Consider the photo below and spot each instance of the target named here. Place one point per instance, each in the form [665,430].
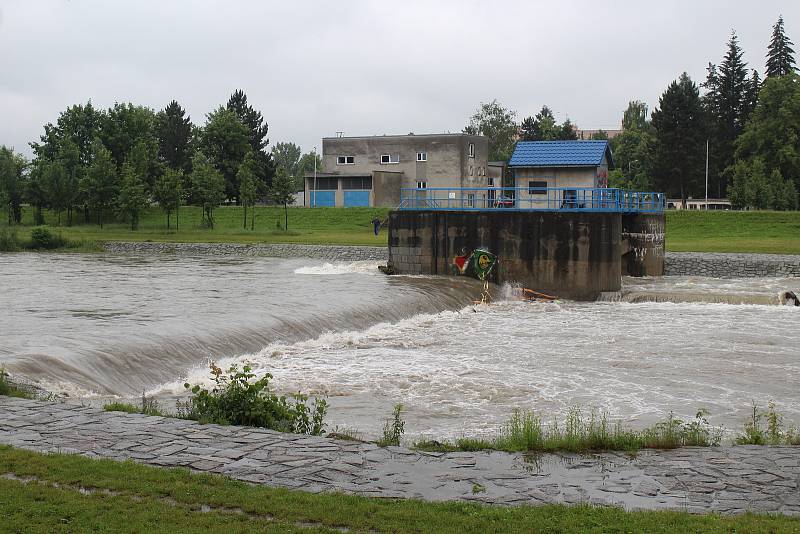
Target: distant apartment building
[371,171]
[587,135]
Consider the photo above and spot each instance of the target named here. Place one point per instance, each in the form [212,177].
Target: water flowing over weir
[119,324]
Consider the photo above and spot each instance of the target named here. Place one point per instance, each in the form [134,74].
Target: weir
[571,243]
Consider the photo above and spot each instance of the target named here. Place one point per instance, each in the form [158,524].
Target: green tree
[774,128]
[69,157]
[12,183]
[258,128]
[99,184]
[499,125]
[128,127]
[225,141]
[282,192]
[566,132]
[168,192]
[599,135]
[751,186]
[306,166]
[780,54]
[80,124]
[542,127]
[56,187]
[287,157]
[679,146]
[132,197]
[248,174]
[635,116]
[35,192]
[208,186]
[174,134]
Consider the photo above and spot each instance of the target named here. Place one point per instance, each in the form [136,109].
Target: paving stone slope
[719,265]
[278,250]
[725,480]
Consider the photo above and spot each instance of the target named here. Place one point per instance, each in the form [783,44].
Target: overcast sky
[380,67]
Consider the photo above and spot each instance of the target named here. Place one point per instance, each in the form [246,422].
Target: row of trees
[751,128]
[748,127]
[120,160]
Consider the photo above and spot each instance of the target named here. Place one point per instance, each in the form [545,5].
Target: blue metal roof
[560,154]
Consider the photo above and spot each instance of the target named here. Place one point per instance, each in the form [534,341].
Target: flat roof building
[371,170]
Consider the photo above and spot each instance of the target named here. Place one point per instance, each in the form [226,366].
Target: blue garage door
[323,199]
[356,198]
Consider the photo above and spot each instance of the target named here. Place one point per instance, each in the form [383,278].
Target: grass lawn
[336,226]
[67,493]
[698,231]
[772,232]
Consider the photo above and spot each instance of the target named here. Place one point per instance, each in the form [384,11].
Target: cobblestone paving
[289,250]
[725,480]
[719,265]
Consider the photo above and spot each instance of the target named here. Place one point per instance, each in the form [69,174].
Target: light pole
[314,194]
[707,175]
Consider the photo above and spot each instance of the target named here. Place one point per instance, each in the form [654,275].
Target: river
[98,326]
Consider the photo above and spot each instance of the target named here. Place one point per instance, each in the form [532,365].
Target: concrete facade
[566,177]
[393,162]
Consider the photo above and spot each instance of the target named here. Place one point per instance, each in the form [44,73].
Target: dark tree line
[752,128]
[95,163]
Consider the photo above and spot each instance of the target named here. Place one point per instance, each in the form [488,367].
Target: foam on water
[361,267]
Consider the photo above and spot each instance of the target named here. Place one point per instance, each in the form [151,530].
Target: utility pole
[314,202]
[706,174]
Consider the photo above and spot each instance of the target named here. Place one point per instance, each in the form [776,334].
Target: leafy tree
[12,183]
[35,191]
[208,185]
[126,127]
[258,129]
[566,132]
[679,141]
[306,166]
[168,192]
[174,134]
[247,187]
[80,124]
[287,157]
[780,54]
[225,141]
[635,116]
[542,127]
[56,187]
[755,187]
[99,185]
[499,125]
[132,197]
[774,128]
[282,192]
[599,135]
[69,157]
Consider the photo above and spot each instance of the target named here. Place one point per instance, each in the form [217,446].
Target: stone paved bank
[725,480]
[278,250]
[731,265]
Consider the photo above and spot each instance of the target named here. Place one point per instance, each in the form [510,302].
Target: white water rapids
[367,341]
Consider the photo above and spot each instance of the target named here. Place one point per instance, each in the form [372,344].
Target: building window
[357,182]
[345,160]
[422,185]
[472,150]
[387,159]
[471,170]
[324,183]
[471,200]
[491,181]
[422,156]
[537,188]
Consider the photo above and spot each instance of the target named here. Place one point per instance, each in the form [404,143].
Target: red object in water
[461,262]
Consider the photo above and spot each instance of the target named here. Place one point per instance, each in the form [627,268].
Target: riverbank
[762,232]
[728,480]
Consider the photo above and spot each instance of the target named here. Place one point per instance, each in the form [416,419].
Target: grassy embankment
[68,493]
[697,231]
[770,232]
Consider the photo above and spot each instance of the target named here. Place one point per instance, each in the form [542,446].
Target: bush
[394,428]
[8,240]
[43,238]
[237,399]
[10,390]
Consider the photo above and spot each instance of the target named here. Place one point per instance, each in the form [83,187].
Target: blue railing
[532,198]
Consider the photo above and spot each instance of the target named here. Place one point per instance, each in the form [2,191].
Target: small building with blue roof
[538,165]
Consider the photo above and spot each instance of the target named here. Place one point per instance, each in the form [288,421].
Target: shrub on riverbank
[238,399]
[42,238]
[754,433]
[148,406]
[525,431]
[10,390]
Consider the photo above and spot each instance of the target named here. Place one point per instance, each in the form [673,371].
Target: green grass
[127,497]
[10,390]
[336,226]
[583,432]
[697,231]
[771,232]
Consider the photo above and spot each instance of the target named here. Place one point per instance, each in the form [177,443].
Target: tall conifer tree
[780,54]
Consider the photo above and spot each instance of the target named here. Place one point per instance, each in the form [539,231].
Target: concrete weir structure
[569,253]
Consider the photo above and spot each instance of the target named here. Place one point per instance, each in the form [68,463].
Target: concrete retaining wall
[731,265]
[571,255]
[323,252]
